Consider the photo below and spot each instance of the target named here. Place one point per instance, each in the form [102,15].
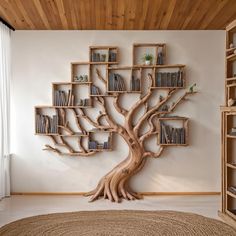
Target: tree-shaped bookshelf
[54,122]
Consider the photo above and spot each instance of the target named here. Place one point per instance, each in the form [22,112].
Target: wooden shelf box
[71,94]
[169,77]
[158,52]
[124,80]
[103,54]
[80,72]
[46,120]
[104,137]
[173,131]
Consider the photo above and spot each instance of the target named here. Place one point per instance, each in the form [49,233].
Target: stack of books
[46,124]
[112,56]
[95,145]
[95,57]
[170,135]
[84,102]
[116,82]
[169,79]
[94,90]
[62,98]
[134,84]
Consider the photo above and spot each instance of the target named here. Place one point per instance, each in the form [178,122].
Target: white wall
[41,57]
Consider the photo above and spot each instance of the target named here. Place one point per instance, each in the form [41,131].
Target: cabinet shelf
[231,165]
[231,194]
[231,57]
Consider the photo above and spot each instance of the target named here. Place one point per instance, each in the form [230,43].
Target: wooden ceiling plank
[212,13]
[62,14]
[169,13]
[33,14]
[68,13]
[152,14]
[97,8]
[118,14]
[180,13]
[108,16]
[23,14]
[73,14]
[194,7]
[222,19]
[10,15]
[42,14]
[161,13]
[200,14]
[142,12]
[53,17]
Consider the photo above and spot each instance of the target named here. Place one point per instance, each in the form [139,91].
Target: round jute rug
[130,223]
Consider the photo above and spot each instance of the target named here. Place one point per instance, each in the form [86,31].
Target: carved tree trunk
[115,184]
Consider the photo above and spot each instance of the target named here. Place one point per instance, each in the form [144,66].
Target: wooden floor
[17,207]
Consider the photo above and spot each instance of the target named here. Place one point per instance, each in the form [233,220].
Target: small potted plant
[147,58]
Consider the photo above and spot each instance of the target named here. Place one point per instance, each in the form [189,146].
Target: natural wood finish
[118,14]
[115,184]
[228,140]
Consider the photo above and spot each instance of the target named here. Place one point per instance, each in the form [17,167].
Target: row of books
[63,98]
[169,79]
[97,57]
[170,135]
[135,84]
[95,145]
[94,90]
[84,102]
[116,82]
[46,124]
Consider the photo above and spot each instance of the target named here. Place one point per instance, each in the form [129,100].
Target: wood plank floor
[17,207]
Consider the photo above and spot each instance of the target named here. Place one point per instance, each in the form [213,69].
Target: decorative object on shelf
[81,78]
[191,88]
[115,184]
[231,102]
[103,57]
[233,131]
[231,45]
[147,58]
[160,58]
[161,98]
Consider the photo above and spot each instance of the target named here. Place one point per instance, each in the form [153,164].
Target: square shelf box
[157,50]
[104,137]
[46,120]
[80,72]
[173,131]
[73,94]
[123,80]
[103,54]
[172,77]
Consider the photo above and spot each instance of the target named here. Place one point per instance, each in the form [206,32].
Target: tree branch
[118,106]
[152,110]
[141,101]
[100,76]
[154,154]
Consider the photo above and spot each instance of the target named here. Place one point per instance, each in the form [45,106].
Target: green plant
[147,57]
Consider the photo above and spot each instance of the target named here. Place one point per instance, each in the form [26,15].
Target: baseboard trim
[142,193]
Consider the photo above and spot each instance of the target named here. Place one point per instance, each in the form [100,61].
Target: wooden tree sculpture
[115,184]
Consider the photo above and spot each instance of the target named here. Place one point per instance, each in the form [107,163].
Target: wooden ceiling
[118,14]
